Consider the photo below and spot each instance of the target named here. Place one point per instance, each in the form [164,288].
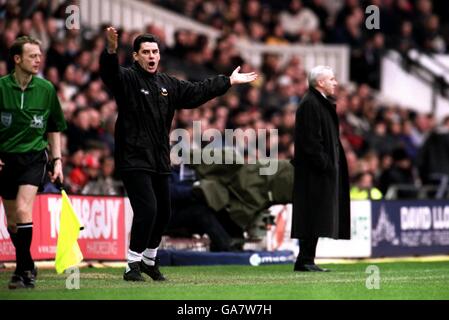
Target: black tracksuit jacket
[146,106]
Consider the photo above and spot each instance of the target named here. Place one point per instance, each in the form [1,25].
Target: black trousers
[149,194]
[307,251]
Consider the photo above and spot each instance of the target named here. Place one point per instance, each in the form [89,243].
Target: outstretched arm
[192,95]
[238,78]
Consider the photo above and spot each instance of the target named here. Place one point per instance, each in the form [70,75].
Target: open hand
[238,78]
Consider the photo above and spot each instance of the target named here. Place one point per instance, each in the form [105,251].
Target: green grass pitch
[398,280]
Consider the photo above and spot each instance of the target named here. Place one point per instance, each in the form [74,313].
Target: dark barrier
[254,258]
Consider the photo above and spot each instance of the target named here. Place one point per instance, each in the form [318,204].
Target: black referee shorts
[20,169]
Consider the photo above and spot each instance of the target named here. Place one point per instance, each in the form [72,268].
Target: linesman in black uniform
[147,101]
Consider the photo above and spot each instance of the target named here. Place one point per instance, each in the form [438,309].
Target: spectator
[92,169]
[400,173]
[405,41]
[101,180]
[77,177]
[298,21]
[433,162]
[364,189]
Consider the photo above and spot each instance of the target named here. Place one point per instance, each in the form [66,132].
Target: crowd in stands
[404,24]
[382,140]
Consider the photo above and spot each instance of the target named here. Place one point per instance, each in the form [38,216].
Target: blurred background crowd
[385,144]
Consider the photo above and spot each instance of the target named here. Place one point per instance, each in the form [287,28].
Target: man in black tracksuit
[147,101]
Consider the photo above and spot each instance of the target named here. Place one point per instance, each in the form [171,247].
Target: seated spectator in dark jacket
[433,160]
[190,213]
[401,173]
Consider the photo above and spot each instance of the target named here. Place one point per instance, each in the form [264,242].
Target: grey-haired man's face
[327,83]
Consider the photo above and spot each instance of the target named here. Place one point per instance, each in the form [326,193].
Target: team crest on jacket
[164,92]
[37,122]
[6,119]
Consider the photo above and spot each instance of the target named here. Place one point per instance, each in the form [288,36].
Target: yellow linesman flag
[68,253]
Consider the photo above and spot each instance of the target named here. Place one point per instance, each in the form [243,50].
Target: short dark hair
[146,37]
[399,154]
[17,46]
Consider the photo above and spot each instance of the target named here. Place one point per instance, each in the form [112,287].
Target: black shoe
[132,272]
[25,279]
[16,282]
[152,271]
[309,268]
[29,278]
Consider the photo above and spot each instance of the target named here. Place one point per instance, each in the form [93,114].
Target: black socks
[22,242]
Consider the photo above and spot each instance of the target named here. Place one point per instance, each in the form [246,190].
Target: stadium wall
[415,90]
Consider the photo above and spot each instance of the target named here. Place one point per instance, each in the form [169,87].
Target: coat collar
[15,85]
[136,66]
[329,101]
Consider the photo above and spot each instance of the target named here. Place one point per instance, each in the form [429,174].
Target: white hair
[316,72]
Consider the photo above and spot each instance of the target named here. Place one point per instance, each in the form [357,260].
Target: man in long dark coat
[321,206]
